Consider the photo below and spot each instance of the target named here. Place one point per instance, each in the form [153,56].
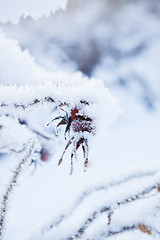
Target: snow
[124,155]
[13,138]
[13,10]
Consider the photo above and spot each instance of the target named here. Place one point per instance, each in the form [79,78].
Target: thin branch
[89,220]
[28,104]
[10,188]
[111,233]
[141,227]
[122,230]
[113,184]
[97,189]
[100,211]
[144,194]
[39,101]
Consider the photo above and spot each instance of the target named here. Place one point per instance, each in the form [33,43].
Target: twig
[141,227]
[92,190]
[10,188]
[39,101]
[100,211]
[89,220]
[122,230]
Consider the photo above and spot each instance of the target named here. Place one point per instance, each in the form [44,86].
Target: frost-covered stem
[112,233]
[141,195]
[122,230]
[29,104]
[97,213]
[86,194]
[39,101]
[26,96]
[113,184]
[92,217]
[10,188]
[141,227]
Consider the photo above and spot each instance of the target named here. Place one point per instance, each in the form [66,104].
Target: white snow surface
[124,155]
[13,10]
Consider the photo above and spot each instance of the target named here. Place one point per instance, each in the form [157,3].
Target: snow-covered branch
[24,96]
[110,212]
[30,153]
[114,200]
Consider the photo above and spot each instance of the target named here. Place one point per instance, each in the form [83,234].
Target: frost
[126,203]
[60,77]
[13,136]
[13,10]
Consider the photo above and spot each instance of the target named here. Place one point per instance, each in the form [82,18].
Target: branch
[97,189]
[143,228]
[28,96]
[11,186]
[106,209]
[90,220]
[110,210]
[122,230]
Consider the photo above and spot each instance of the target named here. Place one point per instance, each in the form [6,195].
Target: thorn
[60,161]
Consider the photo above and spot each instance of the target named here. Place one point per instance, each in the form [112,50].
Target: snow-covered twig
[122,230]
[90,220]
[110,210]
[141,227]
[11,186]
[60,94]
[98,189]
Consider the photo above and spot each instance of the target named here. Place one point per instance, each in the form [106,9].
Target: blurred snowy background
[117,41]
